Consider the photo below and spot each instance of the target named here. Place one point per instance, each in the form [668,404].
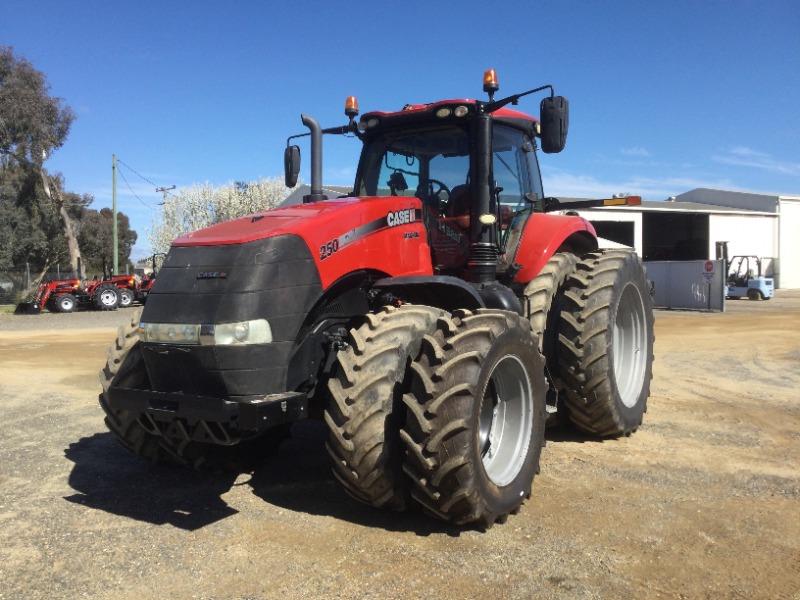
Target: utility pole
[164,191]
[114,210]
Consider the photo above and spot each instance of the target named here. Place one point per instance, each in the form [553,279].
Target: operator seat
[458,205]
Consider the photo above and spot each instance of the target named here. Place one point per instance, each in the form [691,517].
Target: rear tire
[753,294]
[605,344]
[542,303]
[65,303]
[471,462]
[365,390]
[106,297]
[125,298]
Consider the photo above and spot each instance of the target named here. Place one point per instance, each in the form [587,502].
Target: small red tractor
[433,317]
[134,288]
[66,295]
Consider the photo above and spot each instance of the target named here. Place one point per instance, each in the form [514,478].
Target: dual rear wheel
[447,410]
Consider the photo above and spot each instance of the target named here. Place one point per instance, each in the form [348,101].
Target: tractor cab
[426,152]
[471,163]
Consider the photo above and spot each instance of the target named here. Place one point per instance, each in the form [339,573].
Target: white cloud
[340,176]
[742,156]
[636,151]
[563,183]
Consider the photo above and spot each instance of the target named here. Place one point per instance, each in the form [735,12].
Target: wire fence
[13,286]
[17,284]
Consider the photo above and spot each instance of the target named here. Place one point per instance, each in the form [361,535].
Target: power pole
[164,191]
[114,210]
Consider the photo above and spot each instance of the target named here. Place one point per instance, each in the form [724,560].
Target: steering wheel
[442,188]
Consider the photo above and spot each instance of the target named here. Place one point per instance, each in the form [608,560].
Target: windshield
[433,165]
[420,163]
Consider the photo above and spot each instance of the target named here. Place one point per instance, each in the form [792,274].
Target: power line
[127,166]
[125,179]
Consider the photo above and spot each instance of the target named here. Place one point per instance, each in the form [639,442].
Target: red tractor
[66,295]
[134,288]
[432,318]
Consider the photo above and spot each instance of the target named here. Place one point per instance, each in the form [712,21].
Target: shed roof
[667,206]
[332,191]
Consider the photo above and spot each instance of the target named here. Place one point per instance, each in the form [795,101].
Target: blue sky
[664,97]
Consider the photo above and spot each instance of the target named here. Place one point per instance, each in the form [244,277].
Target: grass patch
[7,309]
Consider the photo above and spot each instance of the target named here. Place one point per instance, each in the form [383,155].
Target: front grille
[274,279]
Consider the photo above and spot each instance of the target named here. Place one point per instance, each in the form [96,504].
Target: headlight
[256,331]
[170,333]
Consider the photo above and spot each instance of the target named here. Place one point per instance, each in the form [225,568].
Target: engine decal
[395,218]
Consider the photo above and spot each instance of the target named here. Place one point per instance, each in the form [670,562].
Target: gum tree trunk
[69,232]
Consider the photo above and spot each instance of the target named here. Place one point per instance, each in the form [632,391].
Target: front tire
[606,343]
[65,303]
[125,365]
[366,389]
[475,421]
[125,298]
[106,297]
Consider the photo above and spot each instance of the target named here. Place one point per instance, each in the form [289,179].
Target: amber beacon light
[490,84]
[351,106]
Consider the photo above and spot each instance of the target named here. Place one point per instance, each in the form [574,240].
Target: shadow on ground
[108,477]
[297,477]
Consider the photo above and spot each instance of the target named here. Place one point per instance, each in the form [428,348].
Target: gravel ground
[78,320]
[703,501]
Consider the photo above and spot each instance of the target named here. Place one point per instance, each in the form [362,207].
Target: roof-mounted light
[443,112]
[351,107]
[490,83]
[460,111]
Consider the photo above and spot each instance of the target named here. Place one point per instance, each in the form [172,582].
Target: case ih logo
[400,217]
[212,275]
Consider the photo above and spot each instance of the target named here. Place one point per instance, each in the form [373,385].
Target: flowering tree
[201,205]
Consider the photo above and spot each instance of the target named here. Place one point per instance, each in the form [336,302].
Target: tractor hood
[279,221]
[379,233]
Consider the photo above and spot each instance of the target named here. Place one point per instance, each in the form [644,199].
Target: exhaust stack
[316,159]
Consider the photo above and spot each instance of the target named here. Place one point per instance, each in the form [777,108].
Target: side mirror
[291,165]
[554,120]
[397,183]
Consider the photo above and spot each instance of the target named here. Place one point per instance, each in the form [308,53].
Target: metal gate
[688,284]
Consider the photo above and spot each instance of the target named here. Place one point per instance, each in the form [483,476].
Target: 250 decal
[328,249]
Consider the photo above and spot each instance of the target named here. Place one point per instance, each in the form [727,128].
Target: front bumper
[223,421]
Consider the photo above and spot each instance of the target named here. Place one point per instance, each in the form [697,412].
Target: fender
[544,234]
[441,291]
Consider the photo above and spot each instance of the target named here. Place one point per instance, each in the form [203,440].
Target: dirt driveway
[702,502]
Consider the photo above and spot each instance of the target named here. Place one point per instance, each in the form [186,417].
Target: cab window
[515,168]
[399,175]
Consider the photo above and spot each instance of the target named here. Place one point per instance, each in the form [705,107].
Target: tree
[31,121]
[96,239]
[32,125]
[198,206]
[31,229]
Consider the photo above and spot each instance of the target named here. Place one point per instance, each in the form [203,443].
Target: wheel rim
[629,350]
[506,421]
[108,298]
[125,299]
[66,304]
